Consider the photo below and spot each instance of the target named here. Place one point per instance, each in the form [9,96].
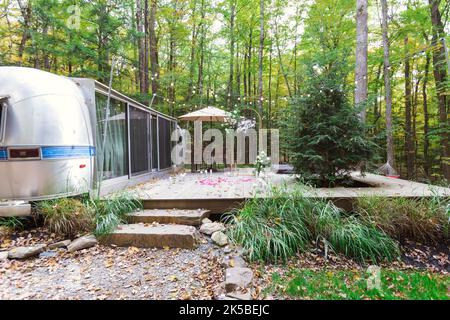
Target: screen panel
[139,141]
[164,143]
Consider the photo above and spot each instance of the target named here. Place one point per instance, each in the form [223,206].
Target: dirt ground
[104,272]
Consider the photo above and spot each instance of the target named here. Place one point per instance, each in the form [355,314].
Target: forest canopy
[187,54]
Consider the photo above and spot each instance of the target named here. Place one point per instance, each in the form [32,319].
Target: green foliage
[13,223]
[327,138]
[66,216]
[111,212]
[69,216]
[424,220]
[276,228]
[352,285]
[271,229]
[349,236]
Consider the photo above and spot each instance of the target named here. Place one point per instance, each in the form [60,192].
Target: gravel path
[105,272]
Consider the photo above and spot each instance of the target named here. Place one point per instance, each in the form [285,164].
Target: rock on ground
[3,255]
[206,220]
[240,295]
[26,252]
[60,244]
[82,243]
[234,261]
[210,228]
[219,238]
[236,278]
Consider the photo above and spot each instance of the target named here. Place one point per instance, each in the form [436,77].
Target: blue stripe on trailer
[3,154]
[67,152]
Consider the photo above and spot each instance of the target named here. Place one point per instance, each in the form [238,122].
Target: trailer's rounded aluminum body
[46,147]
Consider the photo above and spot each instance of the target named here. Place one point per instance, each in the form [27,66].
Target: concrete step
[174,216]
[154,236]
[14,209]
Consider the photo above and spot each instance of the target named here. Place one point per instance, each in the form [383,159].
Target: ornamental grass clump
[423,220]
[66,216]
[111,212]
[71,216]
[270,229]
[347,235]
[275,228]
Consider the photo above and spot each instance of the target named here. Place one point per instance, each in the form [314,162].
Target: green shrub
[326,138]
[66,216]
[270,229]
[276,228]
[423,220]
[111,212]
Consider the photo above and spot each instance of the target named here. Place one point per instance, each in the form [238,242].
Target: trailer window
[112,157]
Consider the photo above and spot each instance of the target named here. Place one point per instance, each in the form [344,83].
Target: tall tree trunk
[238,73]
[426,117]
[249,68]
[440,76]
[261,56]
[409,143]
[146,47]
[269,112]
[244,71]
[26,11]
[361,56]
[390,165]
[192,55]
[154,63]
[231,73]
[414,122]
[171,69]
[202,51]
[280,60]
[140,22]
[47,64]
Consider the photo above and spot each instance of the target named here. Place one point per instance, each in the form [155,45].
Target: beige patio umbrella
[209,114]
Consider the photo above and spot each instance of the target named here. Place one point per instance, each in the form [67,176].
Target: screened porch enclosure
[133,141]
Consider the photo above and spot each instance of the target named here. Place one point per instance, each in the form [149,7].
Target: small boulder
[233,261]
[238,278]
[224,297]
[240,295]
[26,252]
[82,243]
[219,238]
[238,262]
[210,228]
[206,220]
[60,244]
[227,250]
[47,254]
[3,255]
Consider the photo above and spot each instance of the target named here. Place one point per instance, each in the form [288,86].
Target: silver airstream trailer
[56,138]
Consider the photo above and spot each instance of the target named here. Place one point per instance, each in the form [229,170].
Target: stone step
[154,236]
[174,216]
